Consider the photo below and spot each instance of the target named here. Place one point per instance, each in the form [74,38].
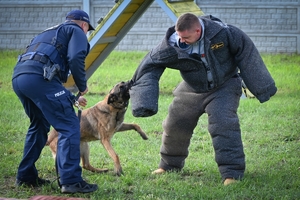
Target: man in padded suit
[57,51]
[208,54]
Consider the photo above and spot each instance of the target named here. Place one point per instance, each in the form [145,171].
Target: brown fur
[101,122]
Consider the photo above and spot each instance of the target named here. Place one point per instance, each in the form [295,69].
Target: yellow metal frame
[179,8]
[113,28]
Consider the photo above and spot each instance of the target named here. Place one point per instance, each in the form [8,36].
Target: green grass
[270,131]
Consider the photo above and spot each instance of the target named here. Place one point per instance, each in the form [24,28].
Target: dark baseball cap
[79,15]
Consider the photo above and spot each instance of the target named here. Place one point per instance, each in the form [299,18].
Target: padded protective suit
[227,50]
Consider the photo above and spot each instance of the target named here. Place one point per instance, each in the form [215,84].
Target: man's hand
[82,101]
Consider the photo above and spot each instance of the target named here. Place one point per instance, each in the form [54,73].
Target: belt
[41,58]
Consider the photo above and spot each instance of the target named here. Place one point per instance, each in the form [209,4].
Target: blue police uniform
[49,102]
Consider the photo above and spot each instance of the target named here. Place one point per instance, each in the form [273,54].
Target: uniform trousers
[48,103]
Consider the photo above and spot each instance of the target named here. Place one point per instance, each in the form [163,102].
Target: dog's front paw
[143,135]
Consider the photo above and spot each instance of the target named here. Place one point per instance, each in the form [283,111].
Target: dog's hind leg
[137,128]
[106,143]
[52,142]
[53,134]
[84,154]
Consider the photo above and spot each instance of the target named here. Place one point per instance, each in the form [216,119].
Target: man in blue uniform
[37,80]
[209,54]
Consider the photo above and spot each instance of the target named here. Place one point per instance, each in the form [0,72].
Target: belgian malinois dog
[101,122]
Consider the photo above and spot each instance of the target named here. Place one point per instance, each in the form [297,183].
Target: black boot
[80,187]
[34,183]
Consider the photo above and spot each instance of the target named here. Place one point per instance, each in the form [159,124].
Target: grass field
[270,132]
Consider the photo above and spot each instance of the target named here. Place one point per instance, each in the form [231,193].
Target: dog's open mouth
[120,104]
[119,96]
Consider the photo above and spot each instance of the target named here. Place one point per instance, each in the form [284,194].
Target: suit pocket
[74,148]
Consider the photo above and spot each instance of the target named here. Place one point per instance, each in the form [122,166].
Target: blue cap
[79,15]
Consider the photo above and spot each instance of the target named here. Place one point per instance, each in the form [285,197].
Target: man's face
[85,27]
[189,36]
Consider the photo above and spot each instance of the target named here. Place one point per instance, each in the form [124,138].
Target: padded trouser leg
[179,125]
[225,131]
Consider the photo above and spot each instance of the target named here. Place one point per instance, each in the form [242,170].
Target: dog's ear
[129,84]
[112,98]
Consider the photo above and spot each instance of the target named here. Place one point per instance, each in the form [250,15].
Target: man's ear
[112,98]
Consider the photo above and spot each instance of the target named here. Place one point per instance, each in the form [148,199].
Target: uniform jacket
[72,47]
[227,50]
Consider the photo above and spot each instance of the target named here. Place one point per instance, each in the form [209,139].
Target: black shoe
[34,183]
[81,187]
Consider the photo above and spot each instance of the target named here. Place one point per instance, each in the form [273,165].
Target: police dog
[101,122]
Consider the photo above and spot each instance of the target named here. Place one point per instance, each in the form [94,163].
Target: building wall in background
[273,25]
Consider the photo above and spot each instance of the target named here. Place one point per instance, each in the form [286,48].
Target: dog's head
[119,95]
